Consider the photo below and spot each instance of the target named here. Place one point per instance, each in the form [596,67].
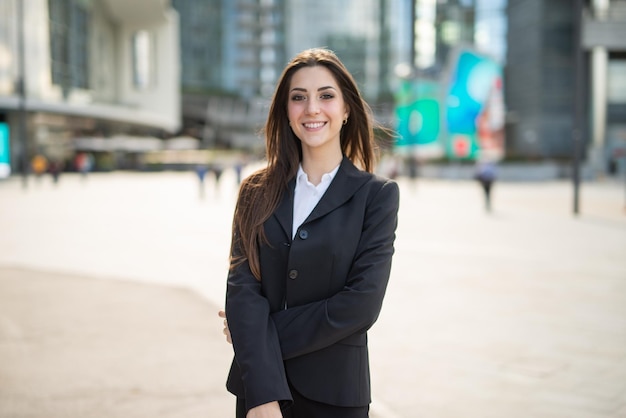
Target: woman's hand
[267,410]
[226,331]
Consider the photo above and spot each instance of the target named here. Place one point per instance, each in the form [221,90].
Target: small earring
[345,121]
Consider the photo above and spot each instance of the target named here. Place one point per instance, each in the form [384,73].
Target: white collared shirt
[307,196]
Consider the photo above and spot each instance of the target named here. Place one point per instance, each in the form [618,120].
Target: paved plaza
[110,285]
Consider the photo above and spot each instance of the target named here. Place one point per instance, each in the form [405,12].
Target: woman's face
[316,108]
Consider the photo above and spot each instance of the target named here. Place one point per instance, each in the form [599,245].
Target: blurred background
[153,84]
[127,125]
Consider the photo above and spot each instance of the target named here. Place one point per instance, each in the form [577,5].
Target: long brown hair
[261,192]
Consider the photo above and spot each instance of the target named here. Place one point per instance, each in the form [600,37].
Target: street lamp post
[21,87]
[578,124]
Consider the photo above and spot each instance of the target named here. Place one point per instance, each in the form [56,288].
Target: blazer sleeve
[255,340]
[311,327]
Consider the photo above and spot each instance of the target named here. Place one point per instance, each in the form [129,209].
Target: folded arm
[311,327]
[255,340]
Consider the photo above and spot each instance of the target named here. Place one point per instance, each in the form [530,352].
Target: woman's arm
[311,327]
[255,340]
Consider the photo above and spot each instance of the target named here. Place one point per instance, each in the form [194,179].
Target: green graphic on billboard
[461,117]
[474,107]
[418,117]
[5,152]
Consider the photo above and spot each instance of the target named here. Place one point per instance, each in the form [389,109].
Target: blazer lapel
[284,211]
[347,181]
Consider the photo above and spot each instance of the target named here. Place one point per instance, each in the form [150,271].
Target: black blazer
[305,322]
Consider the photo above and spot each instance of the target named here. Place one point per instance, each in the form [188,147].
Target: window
[617,81]
[143,52]
[69,35]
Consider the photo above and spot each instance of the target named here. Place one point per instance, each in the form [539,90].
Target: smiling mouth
[314,125]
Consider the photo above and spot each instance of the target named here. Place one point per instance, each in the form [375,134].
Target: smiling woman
[311,251]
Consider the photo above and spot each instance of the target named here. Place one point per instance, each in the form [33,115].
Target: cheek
[293,109]
[341,112]
[339,107]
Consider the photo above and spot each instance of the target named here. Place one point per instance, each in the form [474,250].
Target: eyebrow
[320,89]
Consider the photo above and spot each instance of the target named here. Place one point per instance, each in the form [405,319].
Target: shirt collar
[303,178]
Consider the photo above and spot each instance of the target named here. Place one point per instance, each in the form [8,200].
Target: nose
[312,107]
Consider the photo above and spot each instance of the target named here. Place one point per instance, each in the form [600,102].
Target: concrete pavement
[72,346]
[109,288]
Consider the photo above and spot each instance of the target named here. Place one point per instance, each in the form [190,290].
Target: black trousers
[307,408]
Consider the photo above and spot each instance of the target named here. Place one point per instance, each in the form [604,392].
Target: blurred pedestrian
[55,168]
[486,176]
[217,170]
[39,165]
[238,168]
[313,237]
[413,165]
[83,163]
[201,170]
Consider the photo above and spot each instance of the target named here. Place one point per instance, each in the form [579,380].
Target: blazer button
[304,234]
[293,274]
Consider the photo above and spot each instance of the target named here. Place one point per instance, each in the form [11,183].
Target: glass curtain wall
[69,35]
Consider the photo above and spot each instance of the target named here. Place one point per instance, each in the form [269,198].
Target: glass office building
[231,47]
[541,75]
[246,43]
[240,47]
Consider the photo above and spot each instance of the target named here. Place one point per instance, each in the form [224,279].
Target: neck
[315,166]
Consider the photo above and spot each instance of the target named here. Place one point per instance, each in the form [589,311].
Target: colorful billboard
[5,152]
[461,118]
[474,108]
[418,118]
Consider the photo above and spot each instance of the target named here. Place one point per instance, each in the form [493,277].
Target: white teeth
[314,125]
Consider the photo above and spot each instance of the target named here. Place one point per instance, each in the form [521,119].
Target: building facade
[252,40]
[75,74]
[541,80]
[535,41]
[380,40]
[202,46]
[241,47]
[232,53]
[353,30]
[603,40]
[540,89]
